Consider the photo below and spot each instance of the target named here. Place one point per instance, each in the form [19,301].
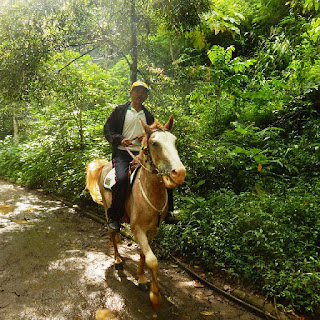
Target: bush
[53,164]
[271,240]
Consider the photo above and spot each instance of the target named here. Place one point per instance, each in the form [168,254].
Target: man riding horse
[124,131]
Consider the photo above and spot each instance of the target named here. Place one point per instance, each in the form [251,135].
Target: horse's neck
[152,184]
[150,179]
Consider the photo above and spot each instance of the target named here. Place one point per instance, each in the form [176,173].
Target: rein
[137,159]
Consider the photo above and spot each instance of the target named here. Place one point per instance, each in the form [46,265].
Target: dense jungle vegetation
[241,78]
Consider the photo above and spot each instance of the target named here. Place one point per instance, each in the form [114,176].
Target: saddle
[110,179]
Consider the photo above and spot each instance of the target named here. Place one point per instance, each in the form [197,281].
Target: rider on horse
[124,131]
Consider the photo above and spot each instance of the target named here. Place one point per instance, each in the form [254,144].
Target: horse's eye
[154,144]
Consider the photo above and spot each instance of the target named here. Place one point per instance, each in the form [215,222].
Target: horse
[146,204]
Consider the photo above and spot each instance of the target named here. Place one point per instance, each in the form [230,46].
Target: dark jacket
[114,125]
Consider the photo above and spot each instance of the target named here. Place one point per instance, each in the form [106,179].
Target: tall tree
[134,44]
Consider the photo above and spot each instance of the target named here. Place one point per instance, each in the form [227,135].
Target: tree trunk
[15,128]
[218,96]
[134,48]
[81,128]
[171,49]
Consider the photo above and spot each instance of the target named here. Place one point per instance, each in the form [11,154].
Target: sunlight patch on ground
[27,206]
[27,312]
[7,225]
[186,284]
[93,266]
[18,214]
[96,265]
[135,256]
[114,301]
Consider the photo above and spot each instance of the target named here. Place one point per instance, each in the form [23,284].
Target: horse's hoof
[143,287]
[119,266]
[155,300]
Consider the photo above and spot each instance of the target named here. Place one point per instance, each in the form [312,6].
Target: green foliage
[269,13]
[217,22]
[180,15]
[306,5]
[55,164]
[242,81]
[269,239]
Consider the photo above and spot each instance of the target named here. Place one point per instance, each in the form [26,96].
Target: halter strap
[148,201]
[155,130]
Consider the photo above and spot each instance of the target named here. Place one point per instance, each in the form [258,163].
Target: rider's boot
[170,219]
[113,223]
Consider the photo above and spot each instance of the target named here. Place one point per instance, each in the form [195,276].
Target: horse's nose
[178,175]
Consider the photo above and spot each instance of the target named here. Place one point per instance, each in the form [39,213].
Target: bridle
[148,156]
[154,170]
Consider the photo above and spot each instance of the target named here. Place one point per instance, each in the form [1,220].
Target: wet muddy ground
[58,264]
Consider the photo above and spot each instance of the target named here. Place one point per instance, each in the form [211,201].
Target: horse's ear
[146,128]
[169,124]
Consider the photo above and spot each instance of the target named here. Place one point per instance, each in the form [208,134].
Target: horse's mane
[155,126]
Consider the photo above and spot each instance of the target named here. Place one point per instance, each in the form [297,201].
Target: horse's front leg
[152,263]
[142,280]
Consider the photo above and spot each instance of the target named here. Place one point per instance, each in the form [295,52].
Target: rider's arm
[112,128]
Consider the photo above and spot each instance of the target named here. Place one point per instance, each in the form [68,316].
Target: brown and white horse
[146,203]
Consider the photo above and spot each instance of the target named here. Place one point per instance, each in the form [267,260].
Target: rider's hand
[139,137]
[126,142]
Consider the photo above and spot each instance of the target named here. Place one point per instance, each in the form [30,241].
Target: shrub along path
[58,264]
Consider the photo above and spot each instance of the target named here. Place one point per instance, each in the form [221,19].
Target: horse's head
[159,146]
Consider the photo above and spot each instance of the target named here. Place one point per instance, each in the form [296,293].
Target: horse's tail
[93,171]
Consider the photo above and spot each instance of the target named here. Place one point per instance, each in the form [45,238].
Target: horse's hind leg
[152,263]
[114,236]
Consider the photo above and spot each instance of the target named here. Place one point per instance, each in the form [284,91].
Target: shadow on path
[57,264]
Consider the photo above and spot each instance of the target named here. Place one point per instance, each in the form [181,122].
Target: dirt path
[57,264]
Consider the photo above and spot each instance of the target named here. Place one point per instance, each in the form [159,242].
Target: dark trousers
[121,160]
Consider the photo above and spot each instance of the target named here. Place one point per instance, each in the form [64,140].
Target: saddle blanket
[110,179]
